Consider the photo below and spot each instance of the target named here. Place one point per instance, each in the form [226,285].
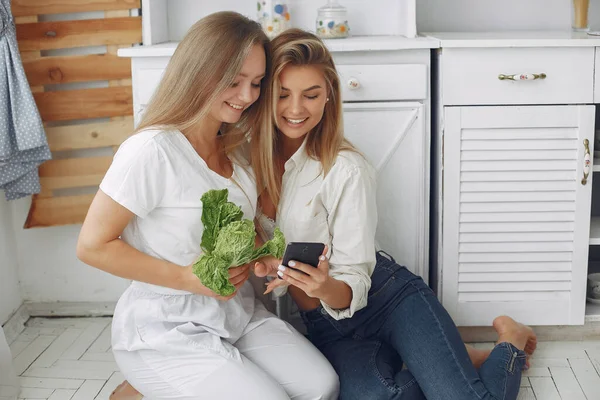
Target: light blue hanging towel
[23,144]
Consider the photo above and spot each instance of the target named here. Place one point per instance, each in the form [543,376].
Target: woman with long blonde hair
[367,314]
[172,337]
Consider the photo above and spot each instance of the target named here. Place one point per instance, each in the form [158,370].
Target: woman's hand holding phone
[314,281]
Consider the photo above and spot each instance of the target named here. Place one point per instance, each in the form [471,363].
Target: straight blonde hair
[326,140]
[206,63]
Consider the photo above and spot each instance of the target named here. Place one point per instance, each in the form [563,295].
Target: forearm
[120,259]
[337,294]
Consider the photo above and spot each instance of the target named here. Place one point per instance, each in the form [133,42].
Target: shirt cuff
[360,292]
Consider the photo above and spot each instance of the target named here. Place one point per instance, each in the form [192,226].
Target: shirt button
[323,311]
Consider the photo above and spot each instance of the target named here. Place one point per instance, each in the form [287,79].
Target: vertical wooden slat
[113,50]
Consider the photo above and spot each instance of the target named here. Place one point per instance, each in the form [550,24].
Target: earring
[328,99]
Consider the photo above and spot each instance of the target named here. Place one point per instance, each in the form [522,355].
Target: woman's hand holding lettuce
[228,241]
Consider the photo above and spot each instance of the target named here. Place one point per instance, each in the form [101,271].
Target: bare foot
[477,356]
[125,392]
[519,335]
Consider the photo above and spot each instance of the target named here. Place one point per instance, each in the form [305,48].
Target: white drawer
[597,80]
[470,76]
[383,82]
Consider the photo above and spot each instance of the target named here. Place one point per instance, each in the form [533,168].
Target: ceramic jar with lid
[274,16]
[332,21]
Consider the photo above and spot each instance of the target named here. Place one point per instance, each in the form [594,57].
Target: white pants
[271,361]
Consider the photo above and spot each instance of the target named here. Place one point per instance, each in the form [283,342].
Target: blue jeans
[404,323]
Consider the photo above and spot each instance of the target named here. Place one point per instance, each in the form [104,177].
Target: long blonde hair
[206,63]
[326,140]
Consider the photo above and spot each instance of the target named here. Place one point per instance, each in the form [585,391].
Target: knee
[324,384]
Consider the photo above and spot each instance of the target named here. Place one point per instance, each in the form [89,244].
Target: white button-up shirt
[338,210]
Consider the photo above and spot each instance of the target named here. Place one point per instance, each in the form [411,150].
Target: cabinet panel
[392,137]
[516,213]
[471,76]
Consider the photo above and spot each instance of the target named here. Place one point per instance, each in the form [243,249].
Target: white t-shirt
[159,177]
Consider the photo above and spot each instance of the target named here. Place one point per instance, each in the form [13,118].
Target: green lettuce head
[228,241]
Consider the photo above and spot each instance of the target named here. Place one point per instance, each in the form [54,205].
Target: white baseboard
[589,331]
[16,324]
[71,309]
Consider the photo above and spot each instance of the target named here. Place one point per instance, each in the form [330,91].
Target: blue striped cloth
[23,144]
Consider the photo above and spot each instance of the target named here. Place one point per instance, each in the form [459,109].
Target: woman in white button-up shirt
[367,314]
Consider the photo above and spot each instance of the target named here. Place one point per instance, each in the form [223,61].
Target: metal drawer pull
[586,161]
[521,77]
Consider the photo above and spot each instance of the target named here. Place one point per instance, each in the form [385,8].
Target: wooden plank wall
[77,120]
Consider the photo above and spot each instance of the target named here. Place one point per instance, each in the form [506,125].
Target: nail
[281,268]
[292,264]
[322,258]
[280,274]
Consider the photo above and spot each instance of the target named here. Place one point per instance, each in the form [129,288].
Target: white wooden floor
[70,359]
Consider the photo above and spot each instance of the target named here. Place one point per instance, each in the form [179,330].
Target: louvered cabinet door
[516,213]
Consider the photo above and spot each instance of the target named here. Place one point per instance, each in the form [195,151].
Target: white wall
[49,269]
[10,295]
[494,15]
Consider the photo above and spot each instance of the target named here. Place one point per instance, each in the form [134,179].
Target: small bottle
[332,21]
[274,16]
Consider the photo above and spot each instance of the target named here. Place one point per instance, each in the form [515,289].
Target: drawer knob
[353,83]
[521,77]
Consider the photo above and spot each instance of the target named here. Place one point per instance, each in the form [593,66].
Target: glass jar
[274,16]
[332,21]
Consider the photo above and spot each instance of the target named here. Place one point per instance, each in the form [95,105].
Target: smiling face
[302,99]
[245,89]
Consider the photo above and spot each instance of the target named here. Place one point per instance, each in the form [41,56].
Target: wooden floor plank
[31,353]
[56,372]
[544,388]
[561,349]
[62,394]
[36,393]
[57,348]
[50,383]
[526,393]
[567,384]
[89,390]
[111,385]
[102,343]
[587,376]
[85,340]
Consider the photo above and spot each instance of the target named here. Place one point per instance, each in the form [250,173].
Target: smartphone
[304,252]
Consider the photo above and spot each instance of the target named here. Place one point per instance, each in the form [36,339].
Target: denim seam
[445,339]
[378,373]
[389,281]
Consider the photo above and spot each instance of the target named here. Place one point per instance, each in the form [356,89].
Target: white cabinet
[518,198]
[393,138]
[513,136]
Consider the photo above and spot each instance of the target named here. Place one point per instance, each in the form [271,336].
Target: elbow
[85,251]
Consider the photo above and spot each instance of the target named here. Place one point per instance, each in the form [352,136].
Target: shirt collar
[298,159]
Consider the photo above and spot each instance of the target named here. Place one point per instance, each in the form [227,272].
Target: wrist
[330,289]
[337,294]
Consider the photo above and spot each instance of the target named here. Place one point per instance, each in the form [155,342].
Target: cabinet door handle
[586,161]
[522,77]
